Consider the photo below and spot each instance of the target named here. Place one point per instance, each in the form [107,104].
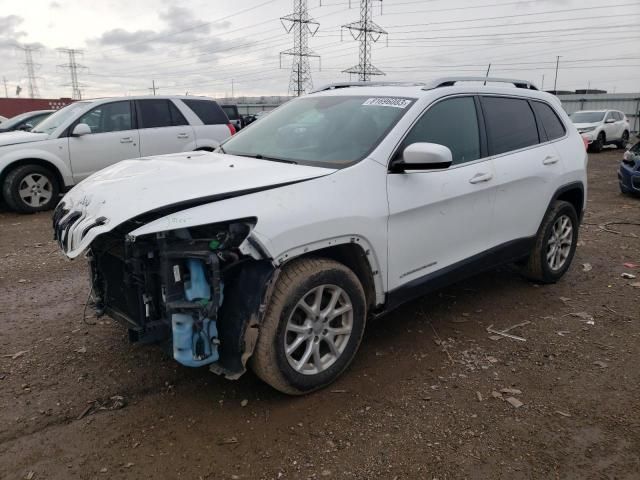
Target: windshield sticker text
[388,102]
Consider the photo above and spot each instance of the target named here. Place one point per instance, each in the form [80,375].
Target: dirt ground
[419,402]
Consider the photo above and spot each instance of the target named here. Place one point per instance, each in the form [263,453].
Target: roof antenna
[487,75]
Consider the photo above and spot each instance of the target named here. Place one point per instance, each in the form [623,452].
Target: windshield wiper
[271,159]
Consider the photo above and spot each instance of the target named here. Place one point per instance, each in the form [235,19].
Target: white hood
[13,138]
[133,187]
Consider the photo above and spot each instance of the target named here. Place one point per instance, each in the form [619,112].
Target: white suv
[602,127]
[87,136]
[336,207]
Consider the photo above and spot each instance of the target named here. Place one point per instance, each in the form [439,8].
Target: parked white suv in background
[86,136]
[336,207]
[602,127]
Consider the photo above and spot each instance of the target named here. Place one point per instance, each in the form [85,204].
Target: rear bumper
[629,178]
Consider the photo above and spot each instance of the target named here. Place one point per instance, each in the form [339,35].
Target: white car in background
[602,127]
[340,205]
[3,119]
[87,136]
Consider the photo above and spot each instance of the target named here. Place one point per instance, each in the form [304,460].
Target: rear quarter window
[208,111]
[551,124]
[510,124]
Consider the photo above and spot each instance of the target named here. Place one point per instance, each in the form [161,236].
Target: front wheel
[312,328]
[30,188]
[555,244]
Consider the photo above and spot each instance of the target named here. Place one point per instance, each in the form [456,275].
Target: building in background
[10,107]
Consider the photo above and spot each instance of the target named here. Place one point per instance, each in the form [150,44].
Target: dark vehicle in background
[234,116]
[629,173]
[24,121]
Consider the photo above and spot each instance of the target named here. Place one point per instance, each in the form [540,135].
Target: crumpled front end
[193,290]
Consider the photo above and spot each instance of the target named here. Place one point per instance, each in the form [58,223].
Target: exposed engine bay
[191,289]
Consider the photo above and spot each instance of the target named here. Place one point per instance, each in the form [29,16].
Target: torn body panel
[192,289]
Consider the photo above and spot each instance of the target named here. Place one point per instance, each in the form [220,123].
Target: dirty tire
[296,279]
[537,267]
[11,187]
[624,140]
[596,146]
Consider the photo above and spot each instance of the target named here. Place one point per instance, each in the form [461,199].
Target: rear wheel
[624,140]
[555,244]
[598,143]
[312,328]
[30,188]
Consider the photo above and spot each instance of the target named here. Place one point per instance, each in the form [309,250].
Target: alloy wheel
[318,329]
[560,241]
[35,190]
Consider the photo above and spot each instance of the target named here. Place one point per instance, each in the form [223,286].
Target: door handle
[183,135]
[550,160]
[126,140]
[480,177]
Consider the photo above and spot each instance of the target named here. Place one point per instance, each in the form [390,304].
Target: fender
[9,158]
[564,189]
[362,242]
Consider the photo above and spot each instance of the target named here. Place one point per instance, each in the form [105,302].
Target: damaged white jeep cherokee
[335,208]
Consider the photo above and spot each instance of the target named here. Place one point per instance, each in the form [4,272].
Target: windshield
[586,117]
[17,120]
[323,130]
[61,116]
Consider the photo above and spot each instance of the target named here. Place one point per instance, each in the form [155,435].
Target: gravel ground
[422,399]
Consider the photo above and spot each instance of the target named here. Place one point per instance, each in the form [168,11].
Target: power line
[301,25]
[367,32]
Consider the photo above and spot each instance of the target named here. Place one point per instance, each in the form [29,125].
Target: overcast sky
[200,46]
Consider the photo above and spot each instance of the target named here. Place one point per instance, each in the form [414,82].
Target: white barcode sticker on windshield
[388,102]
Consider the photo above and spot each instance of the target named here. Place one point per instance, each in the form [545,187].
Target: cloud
[134,42]
[9,35]
[55,5]
[182,27]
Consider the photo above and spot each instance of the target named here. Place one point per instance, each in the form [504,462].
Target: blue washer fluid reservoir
[194,346]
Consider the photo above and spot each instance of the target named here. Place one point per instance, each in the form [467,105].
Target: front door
[112,138]
[439,218]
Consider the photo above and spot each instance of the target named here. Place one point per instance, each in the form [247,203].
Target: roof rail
[335,86]
[451,81]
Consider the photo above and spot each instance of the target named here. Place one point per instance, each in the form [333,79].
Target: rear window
[551,124]
[510,124]
[208,111]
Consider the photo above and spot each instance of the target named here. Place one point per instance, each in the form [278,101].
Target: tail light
[232,129]
[586,142]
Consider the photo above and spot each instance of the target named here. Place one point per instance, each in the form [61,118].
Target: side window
[609,116]
[158,113]
[549,120]
[452,123]
[208,111]
[510,124]
[110,117]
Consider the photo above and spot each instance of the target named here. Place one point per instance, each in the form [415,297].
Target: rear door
[610,127]
[113,138]
[214,128]
[163,128]
[440,217]
[527,164]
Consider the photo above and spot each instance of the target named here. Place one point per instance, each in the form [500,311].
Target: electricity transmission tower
[31,69]
[367,32]
[73,66]
[301,25]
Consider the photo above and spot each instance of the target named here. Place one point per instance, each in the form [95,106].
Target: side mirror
[423,156]
[610,120]
[81,129]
